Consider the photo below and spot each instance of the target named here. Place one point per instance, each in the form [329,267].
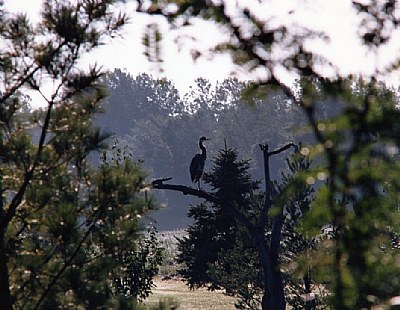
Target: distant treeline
[153,123]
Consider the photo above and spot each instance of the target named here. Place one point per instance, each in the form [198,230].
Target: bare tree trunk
[274,294]
[5,295]
[276,280]
[259,241]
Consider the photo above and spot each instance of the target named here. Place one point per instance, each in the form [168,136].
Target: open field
[200,299]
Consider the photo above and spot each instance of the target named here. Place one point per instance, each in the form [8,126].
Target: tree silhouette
[62,223]
[214,228]
[231,199]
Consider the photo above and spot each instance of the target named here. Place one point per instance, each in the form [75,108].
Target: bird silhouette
[198,161]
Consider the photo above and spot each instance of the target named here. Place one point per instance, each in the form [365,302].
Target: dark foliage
[62,223]
[214,229]
[142,265]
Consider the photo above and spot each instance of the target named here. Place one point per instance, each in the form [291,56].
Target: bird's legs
[198,182]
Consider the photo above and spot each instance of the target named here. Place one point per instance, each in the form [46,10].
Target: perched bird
[198,161]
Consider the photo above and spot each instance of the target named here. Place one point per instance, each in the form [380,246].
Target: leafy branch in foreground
[62,222]
[359,147]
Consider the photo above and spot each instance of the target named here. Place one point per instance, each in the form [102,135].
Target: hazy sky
[333,17]
[127,52]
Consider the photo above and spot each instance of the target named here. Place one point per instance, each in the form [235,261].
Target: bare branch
[280,150]
[238,215]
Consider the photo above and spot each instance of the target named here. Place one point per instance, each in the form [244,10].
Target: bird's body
[198,162]
[197,167]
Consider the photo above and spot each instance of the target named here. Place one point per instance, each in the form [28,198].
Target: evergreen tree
[63,225]
[214,228]
[218,246]
[362,193]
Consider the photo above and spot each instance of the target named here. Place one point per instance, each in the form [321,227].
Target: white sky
[127,52]
[334,17]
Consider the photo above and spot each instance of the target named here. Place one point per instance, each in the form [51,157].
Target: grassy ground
[169,242]
[176,289]
[187,299]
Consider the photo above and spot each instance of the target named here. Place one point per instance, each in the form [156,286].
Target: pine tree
[63,224]
[215,229]
[220,252]
[360,199]
[218,246]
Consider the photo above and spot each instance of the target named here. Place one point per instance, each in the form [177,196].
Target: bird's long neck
[203,149]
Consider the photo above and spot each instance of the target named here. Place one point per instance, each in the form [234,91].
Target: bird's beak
[208,139]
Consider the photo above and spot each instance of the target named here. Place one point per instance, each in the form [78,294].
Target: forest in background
[153,123]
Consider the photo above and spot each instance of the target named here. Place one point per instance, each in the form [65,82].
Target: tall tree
[362,193]
[62,223]
[214,228]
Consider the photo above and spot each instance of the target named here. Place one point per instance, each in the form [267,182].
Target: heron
[198,161]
